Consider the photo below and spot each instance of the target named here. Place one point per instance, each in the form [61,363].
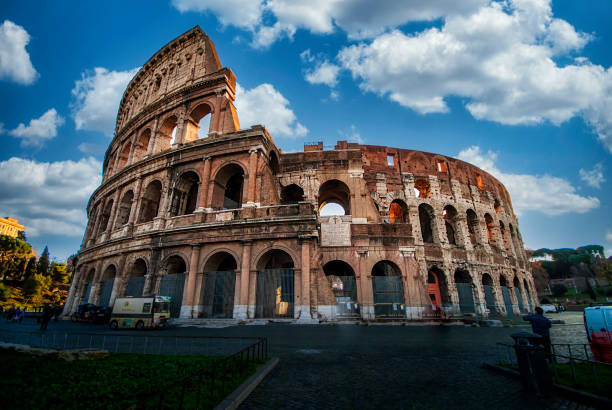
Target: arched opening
[166,135]
[149,207]
[125,208]
[142,145]
[106,285]
[513,237]
[105,216]
[292,194]
[198,124]
[87,283]
[227,189]
[92,222]
[490,229]
[503,284]
[472,223]
[173,282]
[422,188]
[528,295]
[464,284]
[450,219]
[275,285]
[426,217]
[341,278]
[497,207]
[504,235]
[334,198]
[185,194]
[437,289]
[123,157]
[388,290]
[398,212]
[219,286]
[135,286]
[489,291]
[519,294]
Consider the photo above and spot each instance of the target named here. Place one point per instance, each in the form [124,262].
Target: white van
[598,324]
[140,313]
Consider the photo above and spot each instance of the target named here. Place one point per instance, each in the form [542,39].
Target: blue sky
[521,88]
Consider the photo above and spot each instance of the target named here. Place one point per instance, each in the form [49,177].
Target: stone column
[189,288]
[113,214]
[367,293]
[480,300]
[118,282]
[216,119]
[204,183]
[95,284]
[153,138]
[241,305]
[253,157]
[134,210]
[72,294]
[304,307]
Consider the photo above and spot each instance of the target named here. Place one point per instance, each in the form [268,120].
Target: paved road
[349,366]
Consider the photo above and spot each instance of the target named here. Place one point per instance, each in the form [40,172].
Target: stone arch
[172,280]
[141,145]
[490,225]
[185,194]
[422,188]
[527,294]
[106,213]
[275,284]
[388,290]
[166,134]
[473,225]
[449,214]
[125,209]
[137,270]
[427,218]
[334,191]
[504,235]
[519,293]
[505,291]
[488,287]
[398,212]
[124,155]
[198,121]
[219,284]
[86,285]
[229,186]
[437,289]
[107,280]
[292,194]
[341,295]
[150,201]
[497,207]
[465,290]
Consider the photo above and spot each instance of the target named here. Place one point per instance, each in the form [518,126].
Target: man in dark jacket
[541,326]
[47,314]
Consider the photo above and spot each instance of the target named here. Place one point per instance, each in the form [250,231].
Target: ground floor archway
[106,289]
[172,283]
[219,286]
[275,285]
[388,290]
[136,281]
[503,284]
[465,286]
[489,293]
[341,278]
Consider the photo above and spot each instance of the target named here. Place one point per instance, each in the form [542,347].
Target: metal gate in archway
[490,299]
[87,292]
[105,294]
[466,298]
[388,296]
[519,299]
[344,289]
[507,301]
[219,294]
[135,286]
[172,285]
[275,293]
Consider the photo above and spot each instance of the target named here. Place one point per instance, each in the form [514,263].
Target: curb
[578,395]
[239,395]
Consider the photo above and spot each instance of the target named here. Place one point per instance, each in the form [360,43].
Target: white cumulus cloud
[239,13]
[547,194]
[593,178]
[501,58]
[49,198]
[39,130]
[96,98]
[266,106]
[15,64]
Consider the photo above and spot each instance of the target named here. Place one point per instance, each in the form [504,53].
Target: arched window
[472,223]
[198,125]
[142,145]
[504,235]
[292,194]
[334,198]
[463,282]
[219,285]
[135,285]
[105,216]
[150,202]
[125,208]
[450,219]
[275,285]
[185,194]
[398,212]
[227,190]
[426,216]
[166,134]
[388,290]
[490,230]
[123,157]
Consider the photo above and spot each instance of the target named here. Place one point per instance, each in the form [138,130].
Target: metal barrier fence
[206,388]
[583,369]
[140,344]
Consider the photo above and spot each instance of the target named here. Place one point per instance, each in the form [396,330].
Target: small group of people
[15,314]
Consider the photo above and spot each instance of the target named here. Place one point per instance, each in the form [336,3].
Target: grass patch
[109,383]
[584,377]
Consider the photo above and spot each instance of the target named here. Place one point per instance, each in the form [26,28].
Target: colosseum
[194,207]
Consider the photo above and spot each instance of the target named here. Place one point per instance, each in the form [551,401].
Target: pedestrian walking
[47,314]
[541,326]
[19,314]
[10,314]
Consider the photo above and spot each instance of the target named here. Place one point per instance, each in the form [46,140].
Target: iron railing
[578,355]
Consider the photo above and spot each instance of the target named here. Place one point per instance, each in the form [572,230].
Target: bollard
[532,364]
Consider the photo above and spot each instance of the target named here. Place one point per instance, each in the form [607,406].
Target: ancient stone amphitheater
[222,220]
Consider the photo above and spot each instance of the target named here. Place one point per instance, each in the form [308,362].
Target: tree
[59,272]
[13,257]
[43,262]
[559,289]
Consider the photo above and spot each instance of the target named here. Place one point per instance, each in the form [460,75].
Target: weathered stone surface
[68,355]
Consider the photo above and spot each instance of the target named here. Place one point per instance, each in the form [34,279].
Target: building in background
[10,226]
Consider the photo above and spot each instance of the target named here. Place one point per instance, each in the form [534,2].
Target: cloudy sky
[521,88]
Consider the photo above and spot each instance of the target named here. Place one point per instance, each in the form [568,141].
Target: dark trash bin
[531,359]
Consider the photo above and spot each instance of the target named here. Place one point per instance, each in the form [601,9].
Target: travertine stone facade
[231,226]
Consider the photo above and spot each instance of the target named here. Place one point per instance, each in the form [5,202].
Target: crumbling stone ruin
[219,218]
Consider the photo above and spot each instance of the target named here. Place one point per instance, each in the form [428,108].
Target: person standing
[541,326]
[46,317]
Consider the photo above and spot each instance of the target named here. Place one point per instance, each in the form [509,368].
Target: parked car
[549,308]
[90,313]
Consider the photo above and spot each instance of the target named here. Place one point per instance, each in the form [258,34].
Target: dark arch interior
[150,201]
[221,262]
[275,259]
[338,268]
[487,280]
[227,191]
[175,264]
[125,207]
[462,276]
[292,194]
[425,218]
[139,268]
[503,281]
[385,268]
[185,194]
[398,212]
